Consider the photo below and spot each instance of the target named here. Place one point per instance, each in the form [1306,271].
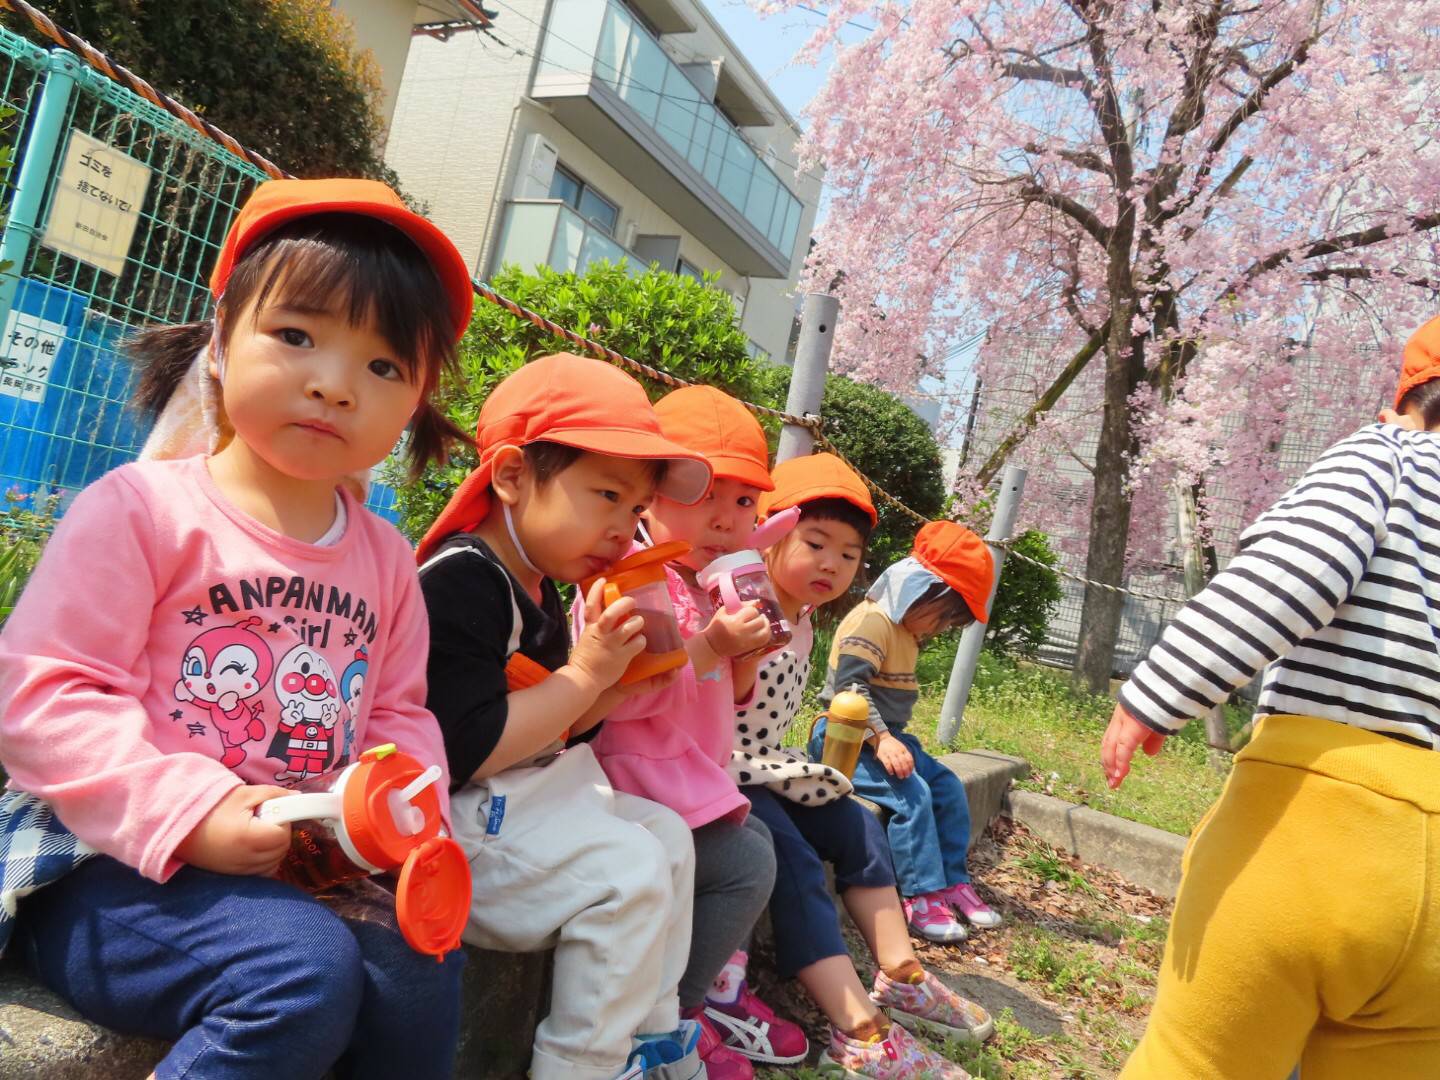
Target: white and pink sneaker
[930,917]
[749,1026]
[963,898]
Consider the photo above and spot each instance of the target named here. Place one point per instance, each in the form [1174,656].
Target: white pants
[558,858]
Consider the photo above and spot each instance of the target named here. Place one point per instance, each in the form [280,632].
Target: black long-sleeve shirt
[473,602]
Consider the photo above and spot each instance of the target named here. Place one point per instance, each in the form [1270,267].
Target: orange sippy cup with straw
[380,815]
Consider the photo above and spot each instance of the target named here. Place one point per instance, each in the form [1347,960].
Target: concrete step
[42,1038]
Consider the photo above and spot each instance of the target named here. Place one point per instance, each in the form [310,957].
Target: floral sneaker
[930,917]
[898,1056]
[964,899]
[928,1004]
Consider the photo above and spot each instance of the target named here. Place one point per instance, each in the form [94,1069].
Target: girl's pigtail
[164,355]
[431,436]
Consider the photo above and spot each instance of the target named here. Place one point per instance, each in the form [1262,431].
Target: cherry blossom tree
[1183,196]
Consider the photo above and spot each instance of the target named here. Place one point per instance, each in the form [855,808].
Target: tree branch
[1360,238]
[1086,218]
[1083,159]
[1046,402]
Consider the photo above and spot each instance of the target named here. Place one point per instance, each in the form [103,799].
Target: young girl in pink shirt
[673,746]
[177,660]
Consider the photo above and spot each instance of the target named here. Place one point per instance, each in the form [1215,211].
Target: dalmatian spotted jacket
[760,727]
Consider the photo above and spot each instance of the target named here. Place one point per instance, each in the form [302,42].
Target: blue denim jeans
[842,833]
[248,976]
[929,827]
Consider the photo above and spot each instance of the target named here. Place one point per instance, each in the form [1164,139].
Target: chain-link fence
[115,212]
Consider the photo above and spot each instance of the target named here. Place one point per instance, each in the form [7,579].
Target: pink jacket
[672,746]
[170,648]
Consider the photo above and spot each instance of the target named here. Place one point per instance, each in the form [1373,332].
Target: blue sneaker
[674,1055]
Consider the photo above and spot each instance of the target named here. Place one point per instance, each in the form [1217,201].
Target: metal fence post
[37,157]
[807,378]
[962,673]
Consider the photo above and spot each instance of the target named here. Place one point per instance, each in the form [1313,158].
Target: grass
[1048,866]
[1062,967]
[1033,713]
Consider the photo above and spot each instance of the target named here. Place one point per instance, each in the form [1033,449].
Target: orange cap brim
[742,469]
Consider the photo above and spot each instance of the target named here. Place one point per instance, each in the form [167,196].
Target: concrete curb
[1141,853]
[42,1038]
[986,776]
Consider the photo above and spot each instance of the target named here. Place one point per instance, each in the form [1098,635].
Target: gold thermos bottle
[847,722]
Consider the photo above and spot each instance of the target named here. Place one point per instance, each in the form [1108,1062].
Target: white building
[384,29]
[603,129]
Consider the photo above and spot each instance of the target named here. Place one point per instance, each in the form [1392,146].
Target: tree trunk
[1110,507]
[1197,575]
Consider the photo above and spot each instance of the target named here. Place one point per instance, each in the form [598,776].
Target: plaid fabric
[35,849]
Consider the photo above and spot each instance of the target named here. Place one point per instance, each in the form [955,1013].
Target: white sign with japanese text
[97,203]
[27,355]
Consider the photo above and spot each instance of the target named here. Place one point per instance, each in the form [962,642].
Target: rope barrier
[118,73]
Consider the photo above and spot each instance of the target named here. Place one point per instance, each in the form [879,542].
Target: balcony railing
[549,232]
[606,41]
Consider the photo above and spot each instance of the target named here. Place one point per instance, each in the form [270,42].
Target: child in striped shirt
[1305,928]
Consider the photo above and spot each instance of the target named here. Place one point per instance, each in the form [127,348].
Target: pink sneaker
[721,1063]
[963,898]
[931,918]
[750,1027]
[898,1056]
[928,1004]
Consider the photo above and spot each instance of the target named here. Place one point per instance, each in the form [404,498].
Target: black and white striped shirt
[1336,587]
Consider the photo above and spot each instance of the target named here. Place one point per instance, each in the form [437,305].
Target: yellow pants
[1307,928]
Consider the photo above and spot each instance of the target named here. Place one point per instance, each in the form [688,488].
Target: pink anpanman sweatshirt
[170,648]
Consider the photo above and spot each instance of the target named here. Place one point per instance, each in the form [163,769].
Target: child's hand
[894,755]
[1122,737]
[232,840]
[611,639]
[733,633]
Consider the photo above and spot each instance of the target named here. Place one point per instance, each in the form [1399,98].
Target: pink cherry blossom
[1238,200]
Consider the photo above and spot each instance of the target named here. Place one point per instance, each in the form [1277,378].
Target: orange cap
[432,896]
[277,201]
[818,476]
[576,401]
[1422,359]
[713,423]
[959,558]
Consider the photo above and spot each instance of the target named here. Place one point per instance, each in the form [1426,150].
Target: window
[688,269]
[755,351]
[585,200]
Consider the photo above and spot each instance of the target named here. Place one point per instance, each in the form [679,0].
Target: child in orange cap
[673,746]
[944,583]
[1303,926]
[812,822]
[571,455]
[172,664]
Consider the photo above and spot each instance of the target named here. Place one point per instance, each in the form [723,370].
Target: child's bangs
[359,269]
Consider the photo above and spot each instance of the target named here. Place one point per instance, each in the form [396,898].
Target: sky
[769,44]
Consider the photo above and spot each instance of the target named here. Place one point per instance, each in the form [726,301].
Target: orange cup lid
[650,560]
[369,822]
[432,896]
